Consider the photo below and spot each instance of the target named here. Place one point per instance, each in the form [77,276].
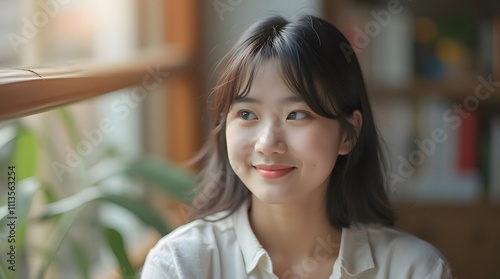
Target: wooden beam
[183,28]
[26,91]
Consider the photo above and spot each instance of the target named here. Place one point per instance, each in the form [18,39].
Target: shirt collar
[252,250]
[355,255]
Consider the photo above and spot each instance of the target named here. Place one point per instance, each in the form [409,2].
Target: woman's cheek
[314,146]
[238,145]
[308,143]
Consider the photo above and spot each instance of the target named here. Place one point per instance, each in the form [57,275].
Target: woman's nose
[270,139]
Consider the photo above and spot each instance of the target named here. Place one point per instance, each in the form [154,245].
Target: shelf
[27,91]
[457,89]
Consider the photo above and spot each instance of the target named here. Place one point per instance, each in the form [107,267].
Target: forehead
[265,80]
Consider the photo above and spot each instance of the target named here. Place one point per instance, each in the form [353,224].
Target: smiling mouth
[273,171]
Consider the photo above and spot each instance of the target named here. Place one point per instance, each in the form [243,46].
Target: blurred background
[99,181]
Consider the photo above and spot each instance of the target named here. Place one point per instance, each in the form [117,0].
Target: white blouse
[229,249]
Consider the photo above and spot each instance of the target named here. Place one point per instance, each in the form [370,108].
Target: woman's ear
[348,141]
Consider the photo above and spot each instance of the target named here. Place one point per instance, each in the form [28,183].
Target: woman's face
[273,128]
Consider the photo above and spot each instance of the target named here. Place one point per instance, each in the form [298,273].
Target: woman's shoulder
[199,231]
[405,250]
[395,238]
[186,247]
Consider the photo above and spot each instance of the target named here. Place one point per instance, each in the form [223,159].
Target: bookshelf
[435,60]
[452,89]
[430,58]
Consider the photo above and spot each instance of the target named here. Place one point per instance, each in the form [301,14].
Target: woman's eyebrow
[290,99]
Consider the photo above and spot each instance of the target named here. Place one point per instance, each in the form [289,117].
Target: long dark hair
[319,64]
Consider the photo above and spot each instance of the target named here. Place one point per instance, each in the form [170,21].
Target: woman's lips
[273,172]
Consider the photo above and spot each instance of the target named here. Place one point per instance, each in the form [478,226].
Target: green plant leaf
[3,212]
[24,194]
[140,209]
[3,271]
[167,177]
[61,230]
[49,193]
[70,124]
[70,203]
[105,169]
[81,257]
[8,135]
[27,190]
[171,179]
[115,242]
[25,158]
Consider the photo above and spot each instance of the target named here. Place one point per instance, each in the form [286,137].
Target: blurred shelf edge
[481,201]
[453,88]
[454,205]
[27,91]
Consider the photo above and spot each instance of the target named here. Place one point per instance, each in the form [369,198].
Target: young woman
[293,181]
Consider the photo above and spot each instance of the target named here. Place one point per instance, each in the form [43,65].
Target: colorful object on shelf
[425,30]
[450,41]
[449,50]
[468,143]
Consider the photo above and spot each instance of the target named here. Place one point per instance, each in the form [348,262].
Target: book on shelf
[486,47]
[432,149]
[436,177]
[468,143]
[494,160]
[382,42]
[496,48]
[392,63]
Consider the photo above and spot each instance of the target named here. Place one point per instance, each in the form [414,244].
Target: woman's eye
[247,115]
[297,115]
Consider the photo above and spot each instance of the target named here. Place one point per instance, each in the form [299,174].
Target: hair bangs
[299,78]
[297,73]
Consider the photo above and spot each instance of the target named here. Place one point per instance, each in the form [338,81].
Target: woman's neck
[293,232]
